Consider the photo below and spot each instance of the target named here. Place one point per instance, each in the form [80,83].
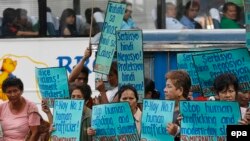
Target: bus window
[57,25]
[208,16]
[19,18]
[143,11]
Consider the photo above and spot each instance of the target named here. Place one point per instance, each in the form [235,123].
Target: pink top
[16,127]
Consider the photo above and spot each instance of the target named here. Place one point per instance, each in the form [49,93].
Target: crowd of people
[15,22]
[230,19]
[19,116]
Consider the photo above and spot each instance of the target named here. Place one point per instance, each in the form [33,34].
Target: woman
[127,93]
[18,116]
[109,95]
[177,88]
[68,23]
[226,86]
[77,92]
[191,11]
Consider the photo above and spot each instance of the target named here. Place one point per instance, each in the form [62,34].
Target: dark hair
[67,13]
[48,9]
[180,78]
[9,16]
[12,82]
[238,9]
[150,87]
[191,4]
[223,81]
[85,70]
[21,12]
[226,5]
[113,68]
[84,88]
[124,88]
[88,13]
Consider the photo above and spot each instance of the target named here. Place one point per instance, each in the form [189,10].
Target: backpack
[43,129]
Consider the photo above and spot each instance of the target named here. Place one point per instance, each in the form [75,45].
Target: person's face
[113,79]
[77,94]
[13,93]
[129,96]
[171,92]
[70,20]
[243,99]
[128,13]
[231,12]
[23,20]
[171,11]
[227,94]
[192,12]
[81,79]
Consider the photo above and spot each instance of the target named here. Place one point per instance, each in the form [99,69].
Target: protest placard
[130,60]
[114,122]
[156,115]
[209,66]
[207,120]
[185,62]
[52,83]
[67,119]
[107,44]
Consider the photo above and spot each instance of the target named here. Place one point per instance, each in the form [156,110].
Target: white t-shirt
[111,94]
[172,23]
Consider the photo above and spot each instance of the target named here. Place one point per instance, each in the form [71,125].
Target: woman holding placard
[127,93]
[77,92]
[18,116]
[226,86]
[177,88]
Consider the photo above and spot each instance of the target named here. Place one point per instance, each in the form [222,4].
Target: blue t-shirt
[129,24]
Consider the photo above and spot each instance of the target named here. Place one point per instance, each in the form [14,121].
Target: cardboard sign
[209,66]
[52,83]
[156,115]
[207,120]
[67,119]
[113,122]
[185,62]
[107,43]
[130,60]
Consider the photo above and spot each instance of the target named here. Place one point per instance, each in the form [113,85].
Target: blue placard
[52,83]
[113,122]
[209,66]
[107,43]
[207,120]
[185,62]
[156,115]
[67,119]
[130,60]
